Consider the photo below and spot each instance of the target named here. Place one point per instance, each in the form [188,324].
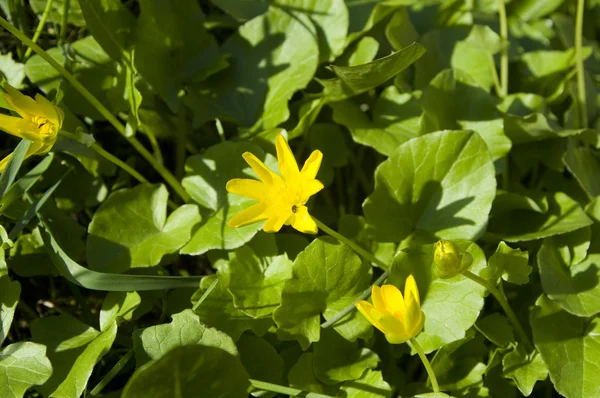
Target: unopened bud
[450,260]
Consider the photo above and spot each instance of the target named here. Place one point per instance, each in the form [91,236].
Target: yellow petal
[414,320]
[370,313]
[22,104]
[394,326]
[309,188]
[286,161]
[377,298]
[302,221]
[276,221]
[263,172]
[49,111]
[19,127]
[394,302]
[247,216]
[248,188]
[411,292]
[312,165]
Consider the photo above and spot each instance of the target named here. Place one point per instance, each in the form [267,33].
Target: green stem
[581,98]
[206,294]
[357,249]
[428,368]
[112,373]
[40,27]
[505,306]
[64,21]
[108,156]
[504,51]
[114,160]
[294,392]
[367,256]
[162,170]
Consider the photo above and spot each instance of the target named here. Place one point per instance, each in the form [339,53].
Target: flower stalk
[505,306]
[432,379]
[161,169]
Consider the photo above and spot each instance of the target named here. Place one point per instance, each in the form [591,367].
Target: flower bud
[449,259]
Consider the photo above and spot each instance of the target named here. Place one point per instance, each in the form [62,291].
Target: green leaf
[337,359]
[523,369]
[118,306]
[370,385]
[131,229]
[331,20]
[451,305]
[573,246]
[185,371]
[440,185]
[23,365]
[528,10]
[218,311]
[585,167]
[13,72]
[256,282]
[495,328]
[364,52]
[574,286]
[166,36]
[528,119]
[302,376]
[353,80]
[74,349]
[260,359]
[112,25]
[82,276]
[92,67]
[563,215]
[12,167]
[9,298]
[267,87]
[508,263]
[476,111]
[459,365]
[327,276]
[363,16]
[207,175]
[242,9]
[23,184]
[396,119]
[470,50]
[570,348]
[400,32]
[184,330]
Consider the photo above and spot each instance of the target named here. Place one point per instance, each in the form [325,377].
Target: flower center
[45,127]
[294,208]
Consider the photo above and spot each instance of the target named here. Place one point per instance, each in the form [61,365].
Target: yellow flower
[40,121]
[449,260]
[399,318]
[281,199]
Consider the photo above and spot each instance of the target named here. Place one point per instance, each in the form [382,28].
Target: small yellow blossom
[449,260]
[281,199]
[40,121]
[399,318]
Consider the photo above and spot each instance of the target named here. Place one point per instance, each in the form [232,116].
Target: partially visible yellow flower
[40,121]
[399,318]
[449,259]
[281,199]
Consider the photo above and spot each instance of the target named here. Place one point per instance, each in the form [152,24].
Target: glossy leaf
[439,185]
